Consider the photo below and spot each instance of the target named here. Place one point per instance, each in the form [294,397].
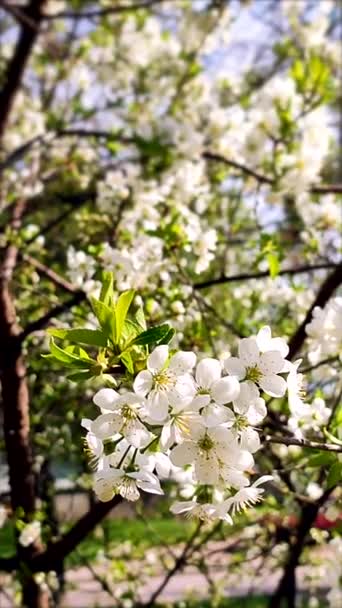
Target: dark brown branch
[264,179]
[104,12]
[50,274]
[55,553]
[15,70]
[265,273]
[18,14]
[44,320]
[287,586]
[325,292]
[304,443]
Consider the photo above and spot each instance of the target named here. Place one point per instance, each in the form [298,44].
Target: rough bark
[32,16]
[286,591]
[15,401]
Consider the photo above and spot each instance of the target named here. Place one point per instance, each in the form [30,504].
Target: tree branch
[50,274]
[304,443]
[325,292]
[44,320]
[263,274]
[264,179]
[15,70]
[56,552]
[104,12]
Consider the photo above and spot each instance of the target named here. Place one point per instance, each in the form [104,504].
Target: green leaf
[334,475]
[273,264]
[168,337]
[319,460]
[94,337]
[154,335]
[140,318]
[67,358]
[121,310]
[80,376]
[332,438]
[127,360]
[106,295]
[106,318]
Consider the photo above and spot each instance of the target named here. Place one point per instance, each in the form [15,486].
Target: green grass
[114,532]
[141,535]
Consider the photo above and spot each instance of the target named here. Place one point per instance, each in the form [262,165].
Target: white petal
[157,406]
[249,393]
[136,434]
[250,440]
[273,385]
[106,398]
[271,362]
[183,454]
[156,361]
[257,412]
[225,390]
[280,345]
[106,425]
[208,371]
[143,383]
[214,415]
[206,468]
[263,338]
[167,436]
[234,478]
[235,367]
[86,423]
[249,351]
[241,460]
[262,479]
[183,507]
[163,465]
[199,402]
[152,488]
[182,362]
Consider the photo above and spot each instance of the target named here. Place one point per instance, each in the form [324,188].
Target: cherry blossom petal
[249,393]
[183,507]
[235,367]
[200,401]
[225,390]
[183,454]
[271,362]
[157,406]
[106,399]
[206,467]
[143,383]
[263,338]
[208,371]
[106,425]
[273,385]
[182,362]
[250,440]
[214,414]
[249,351]
[158,358]
[257,412]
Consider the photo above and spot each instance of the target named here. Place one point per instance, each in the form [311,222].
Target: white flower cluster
[183,413]
[305,417]
[325,330]
[30,533]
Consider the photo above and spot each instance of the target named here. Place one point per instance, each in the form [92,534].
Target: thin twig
[304,443]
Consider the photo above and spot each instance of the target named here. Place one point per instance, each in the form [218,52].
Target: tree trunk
[15,400]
